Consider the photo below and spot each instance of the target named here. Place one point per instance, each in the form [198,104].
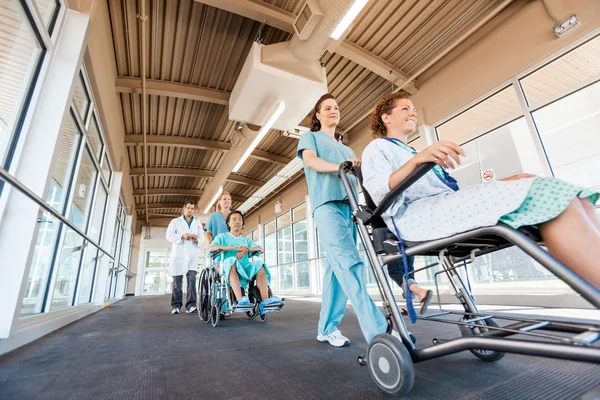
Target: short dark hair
[241,214]
[189,201]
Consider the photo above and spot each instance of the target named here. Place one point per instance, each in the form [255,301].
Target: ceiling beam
[180,192]
[200,144]
[171,89]
[157,206]
[281,19]
[197,173]
[257,11]
[375,64]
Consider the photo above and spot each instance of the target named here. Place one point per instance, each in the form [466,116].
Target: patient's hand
[442,153]
[240,254]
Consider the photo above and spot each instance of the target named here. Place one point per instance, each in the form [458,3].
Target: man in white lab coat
[187,235]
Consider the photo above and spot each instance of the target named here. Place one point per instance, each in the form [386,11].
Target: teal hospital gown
[246,269]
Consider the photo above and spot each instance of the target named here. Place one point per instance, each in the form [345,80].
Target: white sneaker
[191,310]
[175,311]
[335,339]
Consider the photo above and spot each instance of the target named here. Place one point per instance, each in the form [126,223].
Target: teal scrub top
[216,224]
[324,187]
[227,239]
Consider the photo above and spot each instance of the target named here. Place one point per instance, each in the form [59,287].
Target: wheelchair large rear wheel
[482,354]
[390,365]
[203,297]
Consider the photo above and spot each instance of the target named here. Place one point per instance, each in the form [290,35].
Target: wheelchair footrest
[242,308]
[273,307]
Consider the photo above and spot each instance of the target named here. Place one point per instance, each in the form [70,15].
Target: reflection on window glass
[47,10]
[284,245]
[300,241]
[271,250]
[284,220]
[564,74]
[274,284]
[97,218]
[286,277]
[88,269]
[269,227]
[481,118]
[106,170]
[65,162]
[299,212]
[20,54]
[320,246]
[505,151]
[302,276]
[569,131]
[66,270]
[94,139]
[84,192]
[81,98]
[42,256]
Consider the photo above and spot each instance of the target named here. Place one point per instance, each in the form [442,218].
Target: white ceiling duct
[288,71]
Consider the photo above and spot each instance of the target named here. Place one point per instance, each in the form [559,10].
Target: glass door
[156,273]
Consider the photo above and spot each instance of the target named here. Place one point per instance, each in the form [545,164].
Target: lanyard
[439,171]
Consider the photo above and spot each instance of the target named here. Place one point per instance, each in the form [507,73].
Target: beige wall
[291,196]
[100,64]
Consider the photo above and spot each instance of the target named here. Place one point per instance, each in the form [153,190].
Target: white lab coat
[184,253]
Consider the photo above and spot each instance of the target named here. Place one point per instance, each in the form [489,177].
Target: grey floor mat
[135,349]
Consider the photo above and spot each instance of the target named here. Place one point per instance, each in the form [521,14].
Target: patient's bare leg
[234,282]
[261,282]
[590,209]
[575,241]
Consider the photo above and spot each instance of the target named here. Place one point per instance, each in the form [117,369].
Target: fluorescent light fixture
[261,134]
[348,18]
[216,196]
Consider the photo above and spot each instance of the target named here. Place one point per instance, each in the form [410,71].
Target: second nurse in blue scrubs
[216,221]
[322,151]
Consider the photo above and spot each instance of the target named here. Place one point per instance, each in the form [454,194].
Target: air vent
[307,19]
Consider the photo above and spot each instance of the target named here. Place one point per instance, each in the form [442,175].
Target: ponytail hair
[315,124]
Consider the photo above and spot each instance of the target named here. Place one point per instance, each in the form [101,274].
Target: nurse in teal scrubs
[322,151]
[216,221]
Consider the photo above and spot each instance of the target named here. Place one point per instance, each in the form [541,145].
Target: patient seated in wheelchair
[433,207]
[238,269]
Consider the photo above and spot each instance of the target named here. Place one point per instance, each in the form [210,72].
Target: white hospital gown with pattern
[429,209]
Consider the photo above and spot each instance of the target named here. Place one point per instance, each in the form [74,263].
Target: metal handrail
[5,176]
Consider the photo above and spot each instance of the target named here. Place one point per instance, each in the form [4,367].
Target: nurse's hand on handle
[355,162]
[442,153]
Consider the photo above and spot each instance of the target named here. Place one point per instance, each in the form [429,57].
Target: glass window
[255,236]
[42,258]
[284,220]
[66,270]
[65,163]
[20,56]
[569,131]
[269,227]
[299,212]
[271,250]
[88,270]
[47,10]
[284,245]
[416,143]
[81,98]
[94,138]
[505,151]
[563,75]
[320,246]
[106,170]
[84,192]
[300,241]
[302,276]
[286,277]
[494,111]
[97,218]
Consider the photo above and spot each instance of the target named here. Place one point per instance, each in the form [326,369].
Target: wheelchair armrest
[214,254]
[401,187]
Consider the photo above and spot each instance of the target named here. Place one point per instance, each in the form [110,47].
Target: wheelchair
[215,296]
[391,361]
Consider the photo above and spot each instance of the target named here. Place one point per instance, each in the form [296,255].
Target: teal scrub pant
[344,272]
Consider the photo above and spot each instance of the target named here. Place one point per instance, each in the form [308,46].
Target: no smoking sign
[488,175]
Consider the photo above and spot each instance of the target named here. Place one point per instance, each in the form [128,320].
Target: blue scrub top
[324,187]
[216,224]
[227,239]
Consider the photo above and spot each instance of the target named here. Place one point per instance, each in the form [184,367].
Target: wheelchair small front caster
[435,341]
[362,361]
[263,317]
